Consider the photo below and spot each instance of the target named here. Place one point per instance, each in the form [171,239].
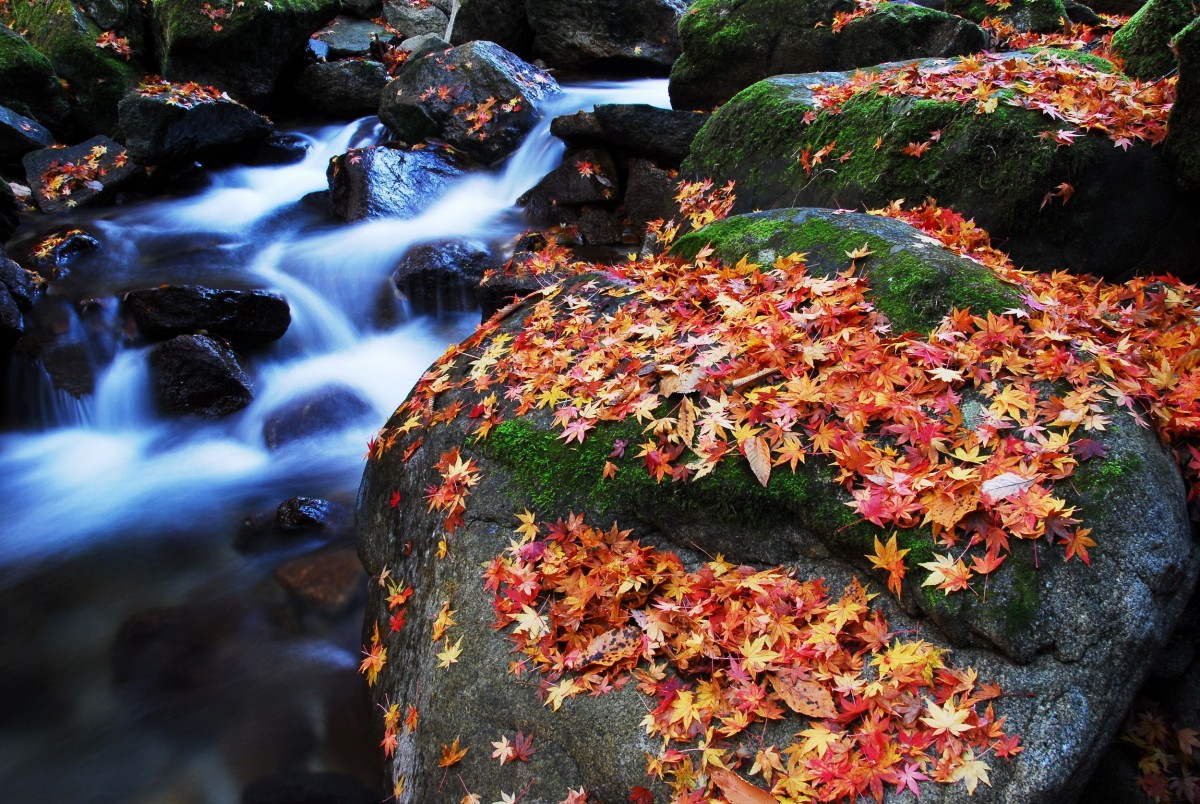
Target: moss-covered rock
[244,50]
[996,168]
[28,84]
[96,78]
[1040,16]
[1144,43]
[1183,133]
[730,44]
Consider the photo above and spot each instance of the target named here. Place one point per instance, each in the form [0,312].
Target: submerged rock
[324,410]
[328,581]
[199,375]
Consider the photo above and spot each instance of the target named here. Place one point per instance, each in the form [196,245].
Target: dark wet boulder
[18,290]
[52,256]
[437,277]
[243,317]
[10,211]
[198,375]
[327,581]
[501,21]
[478,97]
[631,35]
[1183,131]
[324,410]
[412,19]
[380,182]
[634,128]
[418,47]
[730,44]
[649,194]
[97,77]
[349,37]
[19,135]
[1145,42]
[1039,16]
[313,515]
[342,89]
[160,127]
[65,178]
[584,177]
[243,51]
[295,519]
[281,148]
[28,84]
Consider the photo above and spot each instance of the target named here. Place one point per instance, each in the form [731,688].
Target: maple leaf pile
[186,95]
[61,178]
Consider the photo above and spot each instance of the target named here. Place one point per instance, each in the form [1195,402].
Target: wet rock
[380,182]
[342,88]
[501,21]
[584,177]
[327,409]
[1183,131]
[635,35]
[599,226]
[636,129]
[199,375]
[281,149]
[502,290]
[478,97]
[414,20]
[294,520]
[649,194]
[1144,43]
[17,293]
[10,212]
[244,317]
[19,135]
[310,514]
[443,276]
[329,581]
[28,84]
[52,256]
[158,129]
[420,46]
[297,787]
[65,178]
[348,37]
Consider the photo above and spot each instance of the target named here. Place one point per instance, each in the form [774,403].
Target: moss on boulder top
[28,84]
[1183,139]
[1144,43]
[1040,16]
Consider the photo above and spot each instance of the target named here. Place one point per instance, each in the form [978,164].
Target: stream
[144,658]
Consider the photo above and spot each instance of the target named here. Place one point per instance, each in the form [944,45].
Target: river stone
[28,84]
[995,168]
[106,166]
[53,256]
[328,581]
[636,129]
[1071,642]
[327,409]
[342,89]
[501,21]
[412,20]
[1145,42]
[730,44]
[157,131]
[382,182]
[200,375]
[19,135]
[436,277]
[243,317]
[348,37]
[632,35]
[476,77]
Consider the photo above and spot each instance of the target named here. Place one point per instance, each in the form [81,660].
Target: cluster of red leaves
[862,8]
[62,178]
[186,95]
[1089,100]
[458,476]
[47,246]
[724,648]
[224,10]
[117,44]
[1169,760]
[1076,36]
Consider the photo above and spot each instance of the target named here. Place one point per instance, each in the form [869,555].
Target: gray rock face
[631,34]
[478,97]
[412,20]
[248,317]
[94,169]
[1067,642]
[343,89]
[157,131]
[199,375]
[378,182]
[19,135]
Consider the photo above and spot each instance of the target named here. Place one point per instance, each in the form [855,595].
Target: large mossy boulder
[244,51]
[632,35]
[28,84]
[478,97]
[96,77]
[1183,133]
[730,44]
[1144,43]
[1038,16]
[454,467]
[1001,168]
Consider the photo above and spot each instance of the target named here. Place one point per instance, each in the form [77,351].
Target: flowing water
[111,511]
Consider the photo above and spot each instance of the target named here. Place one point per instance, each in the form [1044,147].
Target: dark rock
[10,212]
[330,581]
[196,374]
[1041,16]
[294,520]
[1183,129]
[1123,7]
[310,514]
[502,290]
[51,257]
[281,149]
[649,194]
[411,20]
[584,177]
[1079,13]
[94,170]
[157,129]
[327,409]
[28,84]
[12,323]
[364,9]
[637,129]
[501,21]
[20,284]
[1144,43]
[347,37]
[599,226]
[730,44]
[299,787]
[443,276]
[477,113]
[342,88]
[379,182]
[639,35]
[19,135]
[250,52]
[420,46]
[244,317]
[167,650]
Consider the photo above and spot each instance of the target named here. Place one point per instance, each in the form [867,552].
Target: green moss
[1086,59]
[1144,43]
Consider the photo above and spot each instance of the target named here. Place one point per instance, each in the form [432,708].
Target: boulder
[1144,43]
[501,21]
[196,374]
[292,521]
[28,84]
[53,256]
[244,50]
[10,211]
[478,97]
[996,168]
[1183,129]
[1067,643]
[97,77]
[342,89]
[1037,16]
[436,277]
[414,20]
[243,317]
[634,128]
[328,581]
[649,194]
[729,44]
[19,135]
[65,178]
[17,293]
[418,47]
[310,514]
[379,182]
[348,37]
[584,177]
[321,411]
[637,35]
[159,127]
